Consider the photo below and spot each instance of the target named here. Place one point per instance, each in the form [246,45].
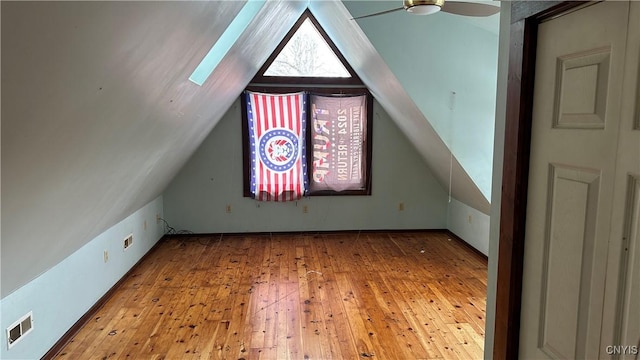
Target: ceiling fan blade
[376,14]
[469,9]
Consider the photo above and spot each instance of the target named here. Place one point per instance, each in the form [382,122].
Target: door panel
[569,246]
[621,325]
[628,320]
[572,175]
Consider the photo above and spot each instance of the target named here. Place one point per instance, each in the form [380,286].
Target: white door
[621,324]
[583,199]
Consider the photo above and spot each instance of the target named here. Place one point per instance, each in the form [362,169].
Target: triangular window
[306,121]
[307,54]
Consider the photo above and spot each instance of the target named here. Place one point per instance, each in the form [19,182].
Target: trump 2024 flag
[277,125]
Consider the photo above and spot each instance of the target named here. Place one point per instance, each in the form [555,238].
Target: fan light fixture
[423,7]
[427,7]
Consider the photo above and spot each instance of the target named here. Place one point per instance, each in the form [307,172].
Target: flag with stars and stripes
[277,125]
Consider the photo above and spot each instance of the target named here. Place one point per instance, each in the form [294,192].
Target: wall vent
[128,241]
[19,329]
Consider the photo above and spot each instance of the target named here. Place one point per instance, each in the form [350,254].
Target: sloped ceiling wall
[98,115]
[447,64]
[381,80]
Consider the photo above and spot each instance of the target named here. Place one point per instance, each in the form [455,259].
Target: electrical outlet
[305,209]
[400,206]
[105,256]
[128,241]
[157,218]
[228,208]
[470,219]
[145,225]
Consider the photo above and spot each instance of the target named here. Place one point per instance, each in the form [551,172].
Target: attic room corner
[53,297]
[469,224]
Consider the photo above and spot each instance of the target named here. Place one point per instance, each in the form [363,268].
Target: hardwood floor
[413,295]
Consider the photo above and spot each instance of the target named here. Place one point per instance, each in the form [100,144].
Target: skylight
[226,40]
[307,54]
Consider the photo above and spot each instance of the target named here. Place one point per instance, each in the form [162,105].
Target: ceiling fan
[427,7]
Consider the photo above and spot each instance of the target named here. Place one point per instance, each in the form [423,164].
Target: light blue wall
[196,199]
[469,224]
[63,294]
[437,55]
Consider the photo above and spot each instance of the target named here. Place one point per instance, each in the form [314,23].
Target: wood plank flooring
[379,295]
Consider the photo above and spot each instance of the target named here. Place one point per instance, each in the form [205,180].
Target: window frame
[354,80]
[311,90]
[325,86]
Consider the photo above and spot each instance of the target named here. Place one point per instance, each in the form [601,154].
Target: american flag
[277,126]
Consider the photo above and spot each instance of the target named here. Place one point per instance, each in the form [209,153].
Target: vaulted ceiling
[98,113]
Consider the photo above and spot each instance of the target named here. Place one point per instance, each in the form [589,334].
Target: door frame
[525,18]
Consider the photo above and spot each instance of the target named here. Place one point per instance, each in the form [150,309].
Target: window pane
[338,139]
[307,54]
